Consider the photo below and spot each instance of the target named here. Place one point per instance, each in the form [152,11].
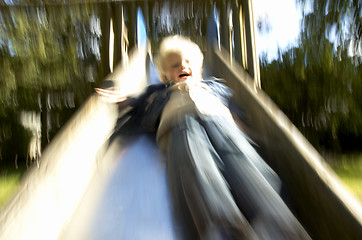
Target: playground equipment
[90,188]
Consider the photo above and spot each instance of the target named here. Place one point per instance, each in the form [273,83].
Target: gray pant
[220,184]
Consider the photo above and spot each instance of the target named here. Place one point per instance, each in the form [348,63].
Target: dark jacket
[144,116]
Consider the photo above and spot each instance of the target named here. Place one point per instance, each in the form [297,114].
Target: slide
[88,187]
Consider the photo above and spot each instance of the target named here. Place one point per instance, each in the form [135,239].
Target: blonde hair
[180,45]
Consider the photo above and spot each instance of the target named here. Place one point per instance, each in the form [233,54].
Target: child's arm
[111,96]
[144,110]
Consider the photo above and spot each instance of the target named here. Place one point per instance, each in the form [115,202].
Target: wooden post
[253,60]
[224,29]
[244,55]
[105,26]
[117,27]
[131,15]
[235,5]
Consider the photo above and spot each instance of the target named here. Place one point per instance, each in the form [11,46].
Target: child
[218,182]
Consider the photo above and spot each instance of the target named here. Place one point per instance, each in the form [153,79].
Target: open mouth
[182,75]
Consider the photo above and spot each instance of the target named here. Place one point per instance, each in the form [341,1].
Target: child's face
[178,68]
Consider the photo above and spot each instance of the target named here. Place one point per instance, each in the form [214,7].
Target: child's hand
[111,96]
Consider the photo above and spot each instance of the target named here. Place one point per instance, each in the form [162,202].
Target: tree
[342,18]
[323,77]
[48,62]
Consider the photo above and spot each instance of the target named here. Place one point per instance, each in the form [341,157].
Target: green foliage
[340,17]
[42,50]
[318,84]
[46,53]
[321,96]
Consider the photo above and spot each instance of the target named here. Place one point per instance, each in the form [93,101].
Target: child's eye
[175,65]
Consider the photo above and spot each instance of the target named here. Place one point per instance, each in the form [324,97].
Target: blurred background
[53,53]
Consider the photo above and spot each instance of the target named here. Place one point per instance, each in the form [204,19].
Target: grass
[349,170]
[9,183]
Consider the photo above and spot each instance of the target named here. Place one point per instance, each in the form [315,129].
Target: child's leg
[247,176]
[192,167]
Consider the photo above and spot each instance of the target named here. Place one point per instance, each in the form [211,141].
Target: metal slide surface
[132,202]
